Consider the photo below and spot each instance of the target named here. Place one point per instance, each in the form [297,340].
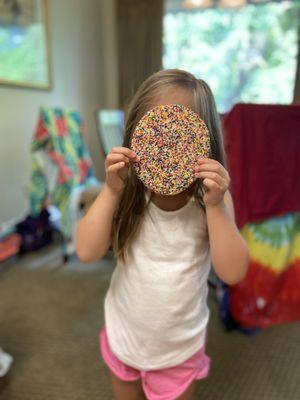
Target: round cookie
[168,140]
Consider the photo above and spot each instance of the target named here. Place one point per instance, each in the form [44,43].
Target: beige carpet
[50,320]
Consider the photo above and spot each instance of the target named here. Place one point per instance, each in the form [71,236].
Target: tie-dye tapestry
[262,145]
[59,136]
[270,292]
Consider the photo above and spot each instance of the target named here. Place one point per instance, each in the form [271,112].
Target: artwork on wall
[24,47]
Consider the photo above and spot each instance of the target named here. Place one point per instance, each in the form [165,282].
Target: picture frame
[24,44]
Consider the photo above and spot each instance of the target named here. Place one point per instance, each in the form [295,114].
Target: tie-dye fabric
[270,293]
[59,135]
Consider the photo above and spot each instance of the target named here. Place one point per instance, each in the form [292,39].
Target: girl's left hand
[215,179]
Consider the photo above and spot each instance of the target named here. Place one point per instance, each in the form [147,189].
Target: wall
[109,38]
[79,65]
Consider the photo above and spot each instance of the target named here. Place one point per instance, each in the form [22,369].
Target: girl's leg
[188,394]
[124,390]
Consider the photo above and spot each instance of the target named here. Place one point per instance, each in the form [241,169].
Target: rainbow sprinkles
[168,140]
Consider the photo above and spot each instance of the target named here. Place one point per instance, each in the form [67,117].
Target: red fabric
[61,125]
[83,166]
[262,143]
[41,132]
[280,293]
[65,172]
[10,246]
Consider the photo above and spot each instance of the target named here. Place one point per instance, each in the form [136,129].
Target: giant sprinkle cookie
[168,140]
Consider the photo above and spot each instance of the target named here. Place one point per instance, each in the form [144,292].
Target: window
[245,54]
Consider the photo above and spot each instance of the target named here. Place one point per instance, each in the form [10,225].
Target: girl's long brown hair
[132,205]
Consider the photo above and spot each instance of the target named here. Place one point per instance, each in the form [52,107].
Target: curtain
[140,26]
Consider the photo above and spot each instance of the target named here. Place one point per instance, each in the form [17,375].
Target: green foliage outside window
[246,55]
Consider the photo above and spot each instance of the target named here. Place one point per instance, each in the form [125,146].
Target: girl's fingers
[209,166]
[214,176]
[210,184]
[125,151]
[113,158]
[123,172]
[202,160]
[115,167]
[212,166]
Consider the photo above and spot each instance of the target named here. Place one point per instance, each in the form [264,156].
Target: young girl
[155,309]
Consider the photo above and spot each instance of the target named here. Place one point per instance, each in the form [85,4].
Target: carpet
[50,319]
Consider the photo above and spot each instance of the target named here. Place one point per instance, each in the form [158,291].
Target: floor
[50,318]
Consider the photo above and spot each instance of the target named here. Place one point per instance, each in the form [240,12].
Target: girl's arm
[93,237]
[229,252]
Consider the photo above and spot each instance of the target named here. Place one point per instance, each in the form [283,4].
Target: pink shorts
[163,384]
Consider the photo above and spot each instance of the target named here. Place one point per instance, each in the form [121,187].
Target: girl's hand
[117,166]
[215,179]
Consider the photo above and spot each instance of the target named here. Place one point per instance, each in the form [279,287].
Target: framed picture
[24,47]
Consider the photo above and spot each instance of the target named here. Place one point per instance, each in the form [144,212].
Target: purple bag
[35,232]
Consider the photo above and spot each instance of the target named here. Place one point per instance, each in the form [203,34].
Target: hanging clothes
[60,163]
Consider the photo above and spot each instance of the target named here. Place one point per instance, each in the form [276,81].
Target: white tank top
[155,309]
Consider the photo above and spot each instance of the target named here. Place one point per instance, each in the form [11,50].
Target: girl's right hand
[117,166]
